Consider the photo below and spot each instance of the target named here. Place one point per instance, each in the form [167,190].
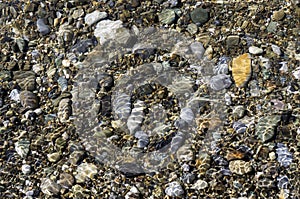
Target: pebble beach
[155,99]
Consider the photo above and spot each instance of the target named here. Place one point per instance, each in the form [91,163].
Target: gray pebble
[200,16]
[15,95]
[22,147]
[198,49]
[167,16]
[220,82]
[42,27]
[94,17]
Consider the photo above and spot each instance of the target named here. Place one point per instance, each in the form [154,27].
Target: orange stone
[241,69]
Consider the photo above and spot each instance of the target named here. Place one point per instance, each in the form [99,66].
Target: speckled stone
[240,167]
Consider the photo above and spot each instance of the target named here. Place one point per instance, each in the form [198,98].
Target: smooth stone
[255,50]
[25,79]
[192,28]
[240,167]
[232,40]
[83,46]
[199,15]
[220,82]
[174,189]
[42,27]
[241,69]
[198,49]
[200,184]
[107,30]
[167,16]
[278,15]
[276,49]
[15,95]
[26,169]
[22,148]
[94,17]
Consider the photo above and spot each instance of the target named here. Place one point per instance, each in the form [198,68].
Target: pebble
[185,154]
[66,180]
[133,193]
[192,28]
[85,170]
[42,27]
[54,157]
[107,30]
[15,95]
[22,147]
[232,40]
[167,16]
[278,15]
[49,187]
[28,100]
[284,157]
[238,111]
[265,127]
[241,69]
[26,169]
[188,178]
[198,49]
[296,73]
[220,82]
[255,50]
[200,184]
[272,27]
[94,17]
[174,189]
[240,167]
[25,79]
[199,16]
[64,110]
[276,49]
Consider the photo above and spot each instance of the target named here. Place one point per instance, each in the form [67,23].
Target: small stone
[94,17]
[199,16]
[265,127]
[25,79]
[200,184]
[296,73]
[174,189]
[272,27]
[238,111]
[66,180]
[15,95]
[276,49]
[185,154]
[241,69]
[85,170]
[272,155]
[198,49]
[192,28]
[22,148]
[232,40]
[78,13]
[167,16]
[54,157]
[240,167]
[26,169]
[49,187]
[28,100]
[278,15]
[107,30]
[132,193]
[255,50]
[220,82]
[42,27]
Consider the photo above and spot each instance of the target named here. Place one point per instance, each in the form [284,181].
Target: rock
[199,16]
[198,49]
[85,170]
[272,27]
[83,46]
[265,127]
[42,27]
[284,157]
[49,187]
[167,16]
[29,100]
[240,167]
[276,49]
[22,44]
[54,157]
[107,30]
[241,69]
[185,154]
[296,73]
[174,189]
[64,110]
[66,180]
[78,13]
[133,193]
[192,28]
[26,169]
[278,15]
[255,50]
[238,111]
[22,147]
[232,40]
[25,79]
[200,184]
[15,95]
[220,82]
[94,17]
[65,34]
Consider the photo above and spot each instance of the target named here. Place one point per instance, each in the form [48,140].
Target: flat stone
[199,16]
[42,27]
[232,40]
[174,189]
[94,17]
[107,30]
[241,69]
[255,50]
[272,27]
[198,49]
[220,82]
[167,16]
[278,15]
[200,184]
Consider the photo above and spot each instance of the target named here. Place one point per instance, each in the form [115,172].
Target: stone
[94,17]
[174,189]
[85,170]
[167,16]
[198,49]
[276,49]
[265,127]
[25,79]
[240,167]
[199,16]
[241,69]
[107,30]
[22,148]
[49,187]
[200,184]
[26,169]
[232,40]
[29,100]
[278,15]
[272,27]
[42,27]
[66,180]
[220,82]
[53,157]
[255,50]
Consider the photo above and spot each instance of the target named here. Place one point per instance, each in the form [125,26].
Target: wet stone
[199,16]
[272,27]
[220,82]
[22,147]
[278,15]
[25,79]
[265,127]
[42,27]
[54,157]
[255,50]
[200,184]
[167,16]
[240,167]
[241,69]
[49,187]
[28,100]
[198,49]
[232,40]
[26,169]
[94,17]
[83,46]
[66,180]
[85,170]
[174,189]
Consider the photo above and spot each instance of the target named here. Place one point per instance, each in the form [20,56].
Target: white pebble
[276,49]
[255,50]
[15,95]
[26,169]
[94,17]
